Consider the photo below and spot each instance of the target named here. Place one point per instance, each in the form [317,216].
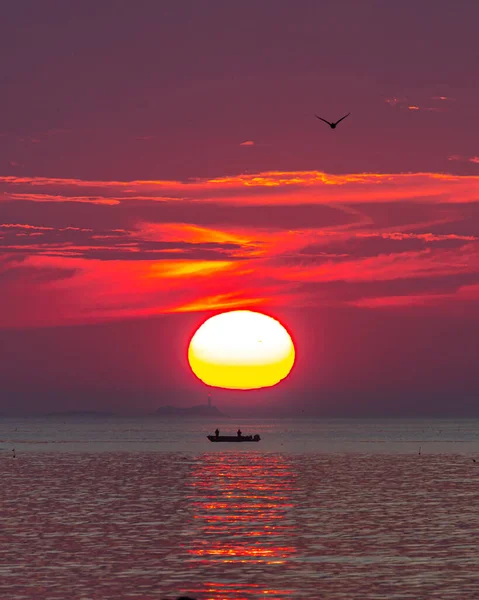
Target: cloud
[78,251]
[267,188]
[37,137]
[429,104]
[114,244]
[23,226]
[393,101]
[247,143]
[363,245]
[34,275]
[458,157]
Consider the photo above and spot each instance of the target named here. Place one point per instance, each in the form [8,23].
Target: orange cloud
[23,226]
[59,198]
[178,268]
[273,187]
[222,301]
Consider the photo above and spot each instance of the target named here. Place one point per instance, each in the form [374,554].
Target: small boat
[234,438]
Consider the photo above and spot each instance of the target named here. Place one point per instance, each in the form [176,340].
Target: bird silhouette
[334,123]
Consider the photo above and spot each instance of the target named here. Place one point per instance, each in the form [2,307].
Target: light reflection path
[243,527]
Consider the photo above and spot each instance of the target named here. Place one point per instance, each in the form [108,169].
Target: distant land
[81,413]
[200,410]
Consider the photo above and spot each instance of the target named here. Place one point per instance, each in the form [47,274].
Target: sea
[119,508]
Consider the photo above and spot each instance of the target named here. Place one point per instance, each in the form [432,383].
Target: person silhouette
[217,432]
[239,432]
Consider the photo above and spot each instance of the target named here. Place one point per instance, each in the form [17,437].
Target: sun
[241,350]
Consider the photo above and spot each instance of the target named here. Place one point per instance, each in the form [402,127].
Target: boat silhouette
[234,438]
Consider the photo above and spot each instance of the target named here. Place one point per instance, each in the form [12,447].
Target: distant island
[199,410]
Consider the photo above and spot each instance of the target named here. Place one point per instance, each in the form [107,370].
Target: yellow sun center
[241,349]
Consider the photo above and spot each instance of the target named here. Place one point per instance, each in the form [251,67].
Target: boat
[234,438]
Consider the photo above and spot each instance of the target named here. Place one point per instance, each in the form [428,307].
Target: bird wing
[342,118]
[321,119]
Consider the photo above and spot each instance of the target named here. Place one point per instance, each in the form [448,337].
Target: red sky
[159,163]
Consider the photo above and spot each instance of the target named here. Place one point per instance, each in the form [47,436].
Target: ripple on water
[238,525]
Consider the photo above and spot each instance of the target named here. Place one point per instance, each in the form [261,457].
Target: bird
[332,125]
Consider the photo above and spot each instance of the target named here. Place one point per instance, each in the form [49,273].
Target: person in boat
[217,432]
[239,432]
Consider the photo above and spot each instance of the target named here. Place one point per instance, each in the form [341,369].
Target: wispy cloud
[268,188]
[430,104]
[470,159]
[247,143]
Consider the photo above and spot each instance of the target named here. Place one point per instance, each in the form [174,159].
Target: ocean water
[144,509]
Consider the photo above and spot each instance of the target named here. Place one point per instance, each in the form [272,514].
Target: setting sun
[241,349]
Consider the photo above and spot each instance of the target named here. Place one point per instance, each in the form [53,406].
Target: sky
[160,162]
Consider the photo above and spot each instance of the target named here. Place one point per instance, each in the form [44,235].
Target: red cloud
[273,238]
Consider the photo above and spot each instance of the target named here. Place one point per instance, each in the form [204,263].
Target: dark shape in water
[234,438]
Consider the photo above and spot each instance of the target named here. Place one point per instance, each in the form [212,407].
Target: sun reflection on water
[242,515]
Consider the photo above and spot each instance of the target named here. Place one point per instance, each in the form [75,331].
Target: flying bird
[332,125]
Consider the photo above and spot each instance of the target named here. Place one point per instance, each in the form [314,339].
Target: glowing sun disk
[241,349]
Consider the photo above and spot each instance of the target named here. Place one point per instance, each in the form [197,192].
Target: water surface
[101,515]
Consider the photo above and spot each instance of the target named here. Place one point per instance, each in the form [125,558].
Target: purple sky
[131,207]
